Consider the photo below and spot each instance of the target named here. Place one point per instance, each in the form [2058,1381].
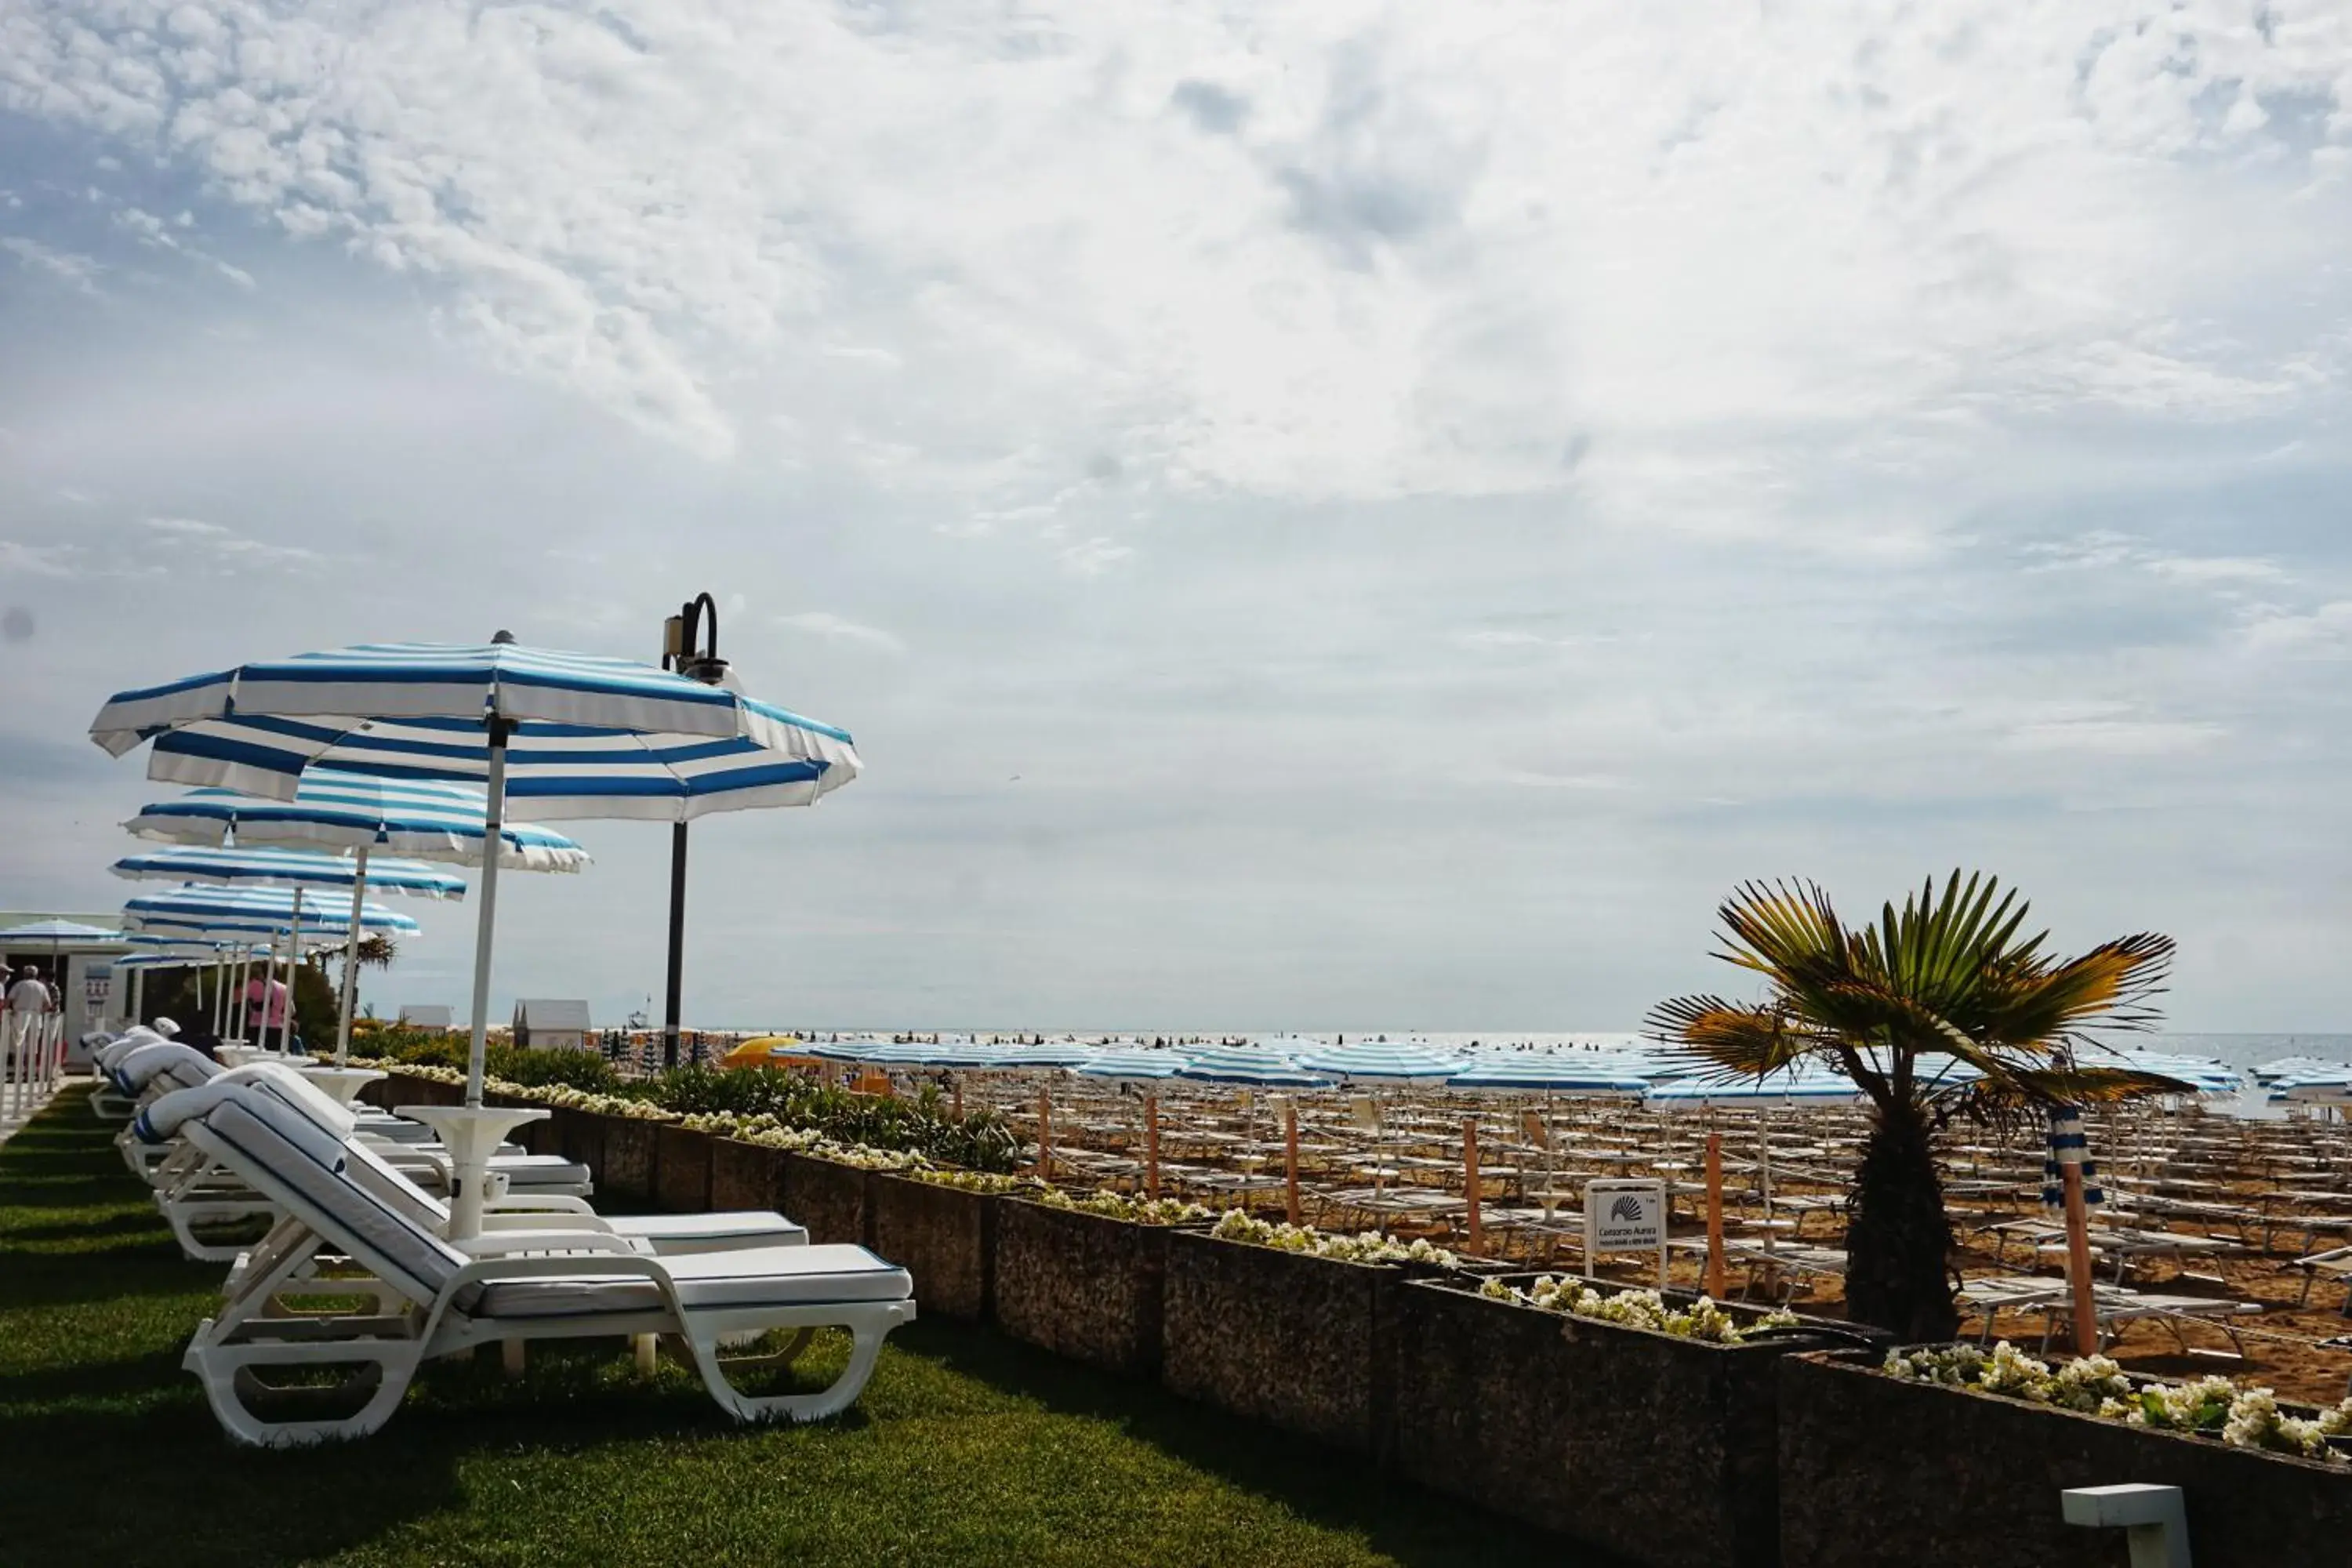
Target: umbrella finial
[501,637]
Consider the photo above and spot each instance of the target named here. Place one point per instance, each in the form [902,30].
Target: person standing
[266,998]
[28,1004]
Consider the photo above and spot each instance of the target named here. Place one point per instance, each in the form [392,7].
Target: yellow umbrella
[760,1052]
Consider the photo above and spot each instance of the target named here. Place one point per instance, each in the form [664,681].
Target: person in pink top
[266,1000]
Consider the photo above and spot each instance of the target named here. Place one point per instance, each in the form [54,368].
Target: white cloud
[39,560]
[841,628]
[1317,254]
[2323,632]
[2110,550]
[193,542]
[80,272]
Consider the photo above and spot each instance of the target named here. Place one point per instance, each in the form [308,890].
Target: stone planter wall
[1663,1450]
[1877,1470]
[827,1198]
[944,1237]
[629,1155]
[580,1135]
[682,1170]
[1080,1285]
[745,1176]
[1303,1343]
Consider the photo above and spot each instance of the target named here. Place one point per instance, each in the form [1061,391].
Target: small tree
[1949,974]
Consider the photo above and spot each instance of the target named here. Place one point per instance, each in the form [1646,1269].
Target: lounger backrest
[163,1064]
[362,1164]
[282,1082]
[282,1153]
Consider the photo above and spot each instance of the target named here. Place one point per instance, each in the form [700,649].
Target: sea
[2244,1052]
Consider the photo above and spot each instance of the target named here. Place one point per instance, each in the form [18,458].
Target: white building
[75,953]
[552,1026]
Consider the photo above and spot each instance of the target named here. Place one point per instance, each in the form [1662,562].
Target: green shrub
[978,1142]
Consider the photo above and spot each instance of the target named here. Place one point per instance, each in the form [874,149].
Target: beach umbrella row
[574,735]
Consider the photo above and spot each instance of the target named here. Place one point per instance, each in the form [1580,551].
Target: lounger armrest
[601,1266]
[508,1243]
[547,1203]
[548,1219]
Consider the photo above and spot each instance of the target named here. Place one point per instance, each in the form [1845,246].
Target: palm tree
[1949,976]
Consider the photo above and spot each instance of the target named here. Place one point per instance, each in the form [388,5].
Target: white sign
[1625,1216]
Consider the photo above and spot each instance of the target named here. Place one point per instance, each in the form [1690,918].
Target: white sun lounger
[194,1195]
[663,1235]
[436,1300]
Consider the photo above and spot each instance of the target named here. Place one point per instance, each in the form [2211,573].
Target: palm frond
[2028,1087]
[1739,1041]
[1950,971]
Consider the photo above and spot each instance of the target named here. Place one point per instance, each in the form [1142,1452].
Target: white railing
[33,1062]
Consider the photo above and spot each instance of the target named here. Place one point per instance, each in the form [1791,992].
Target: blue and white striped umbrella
[333,810]
[1800,1086]
[1546,1072]
[258,910]
[1040,1058]
[1140,1068]
[290,868]
[1399,1062]
[896,1054]
[1246,1067]
[570,735]
[853,1051]
[591,737]
[954,1053]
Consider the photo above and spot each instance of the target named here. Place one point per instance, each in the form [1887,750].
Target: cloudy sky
[1317,516]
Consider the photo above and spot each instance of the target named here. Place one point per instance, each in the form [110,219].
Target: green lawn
[965,1448]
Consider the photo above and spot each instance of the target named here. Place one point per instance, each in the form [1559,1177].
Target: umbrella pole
[1151,1147]
[293,963]
[1764,1169]
[1715,1216]
[138,994]
[1290,1157]
[494,799]
[245,1033]
[1470,1183]
[351,963]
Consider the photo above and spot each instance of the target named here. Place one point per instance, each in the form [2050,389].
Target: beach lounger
[438,1301]
[2053,1301]
[669,1236]
[2336,1264]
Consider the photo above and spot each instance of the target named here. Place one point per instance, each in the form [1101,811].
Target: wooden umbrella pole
[1470,1181]
[1715,1216]
[1290,1159]
[1045,1134]
[1151,1147]
[2068,1145]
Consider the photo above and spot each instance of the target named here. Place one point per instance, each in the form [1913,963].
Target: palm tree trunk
[1898,1239]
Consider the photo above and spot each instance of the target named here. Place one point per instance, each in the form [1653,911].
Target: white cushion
[763,1277]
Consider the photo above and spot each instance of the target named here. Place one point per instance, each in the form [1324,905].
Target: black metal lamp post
[687,650]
